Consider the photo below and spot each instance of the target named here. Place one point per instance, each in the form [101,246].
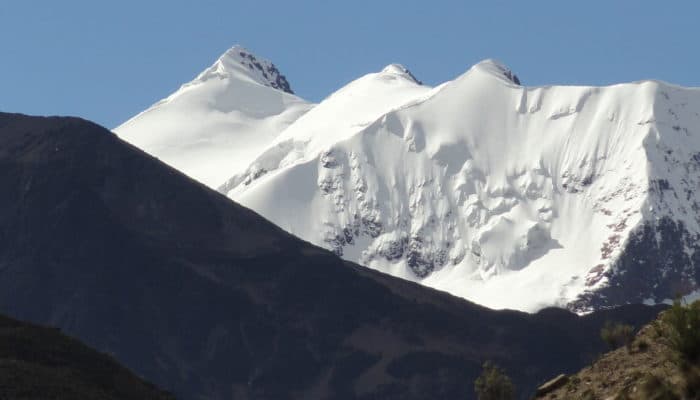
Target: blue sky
[106,61]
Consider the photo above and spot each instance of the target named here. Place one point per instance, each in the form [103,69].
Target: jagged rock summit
[239,60]
[399,69]
[498,69]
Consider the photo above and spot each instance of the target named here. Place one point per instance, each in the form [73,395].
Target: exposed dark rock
[552,385]
[271,73]
[410,75]
[512,77]
[654,265]
[338,241]
[424,261]
[255,174]
[394,250]
[371,226]
[328,160]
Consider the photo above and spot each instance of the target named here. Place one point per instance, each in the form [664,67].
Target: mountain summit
[399,69]
[510,196]
[239,61]
[497,69]
[217,123]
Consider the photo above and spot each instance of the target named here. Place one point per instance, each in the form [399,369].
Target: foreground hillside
[41,363]
[207,299]
[650,366]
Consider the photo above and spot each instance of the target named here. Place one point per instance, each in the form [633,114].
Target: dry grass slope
[651,368]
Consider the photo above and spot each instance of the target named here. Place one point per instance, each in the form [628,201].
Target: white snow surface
[216,124]
[510,196]
[340,116]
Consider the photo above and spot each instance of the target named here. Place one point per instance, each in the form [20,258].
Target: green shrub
[588,395]
[493,384]
[650,387]
[616,335]
[655,388]
[642,345]
[658,329]
[683,322]
[691,376]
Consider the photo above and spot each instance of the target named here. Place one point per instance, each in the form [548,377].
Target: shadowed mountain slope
[41,363]
[209,300]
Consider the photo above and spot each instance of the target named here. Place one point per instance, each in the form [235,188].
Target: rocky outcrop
[660,261]
[552,385]
[648,368]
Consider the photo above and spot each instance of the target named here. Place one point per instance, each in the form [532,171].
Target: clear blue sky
[107,60]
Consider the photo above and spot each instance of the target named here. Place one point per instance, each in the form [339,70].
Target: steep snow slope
[341,115]
[510,196]
[217,123]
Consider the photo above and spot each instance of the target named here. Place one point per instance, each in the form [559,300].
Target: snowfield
[217,123]
[510,196]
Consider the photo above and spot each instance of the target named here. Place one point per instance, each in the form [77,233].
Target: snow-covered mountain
[510,196]
[217,123]
[338,117]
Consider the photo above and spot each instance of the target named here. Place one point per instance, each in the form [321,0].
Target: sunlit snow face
[216,124]
[510,196]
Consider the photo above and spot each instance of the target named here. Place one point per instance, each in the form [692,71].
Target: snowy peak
[217,123]
[511,196]
[341,115]
[400,70]
[555,195]
[239,61]
[497,69]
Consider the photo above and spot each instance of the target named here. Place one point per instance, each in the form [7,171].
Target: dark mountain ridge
[207,299]
[41,363]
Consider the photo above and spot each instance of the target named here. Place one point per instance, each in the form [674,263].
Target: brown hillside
[649,368]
